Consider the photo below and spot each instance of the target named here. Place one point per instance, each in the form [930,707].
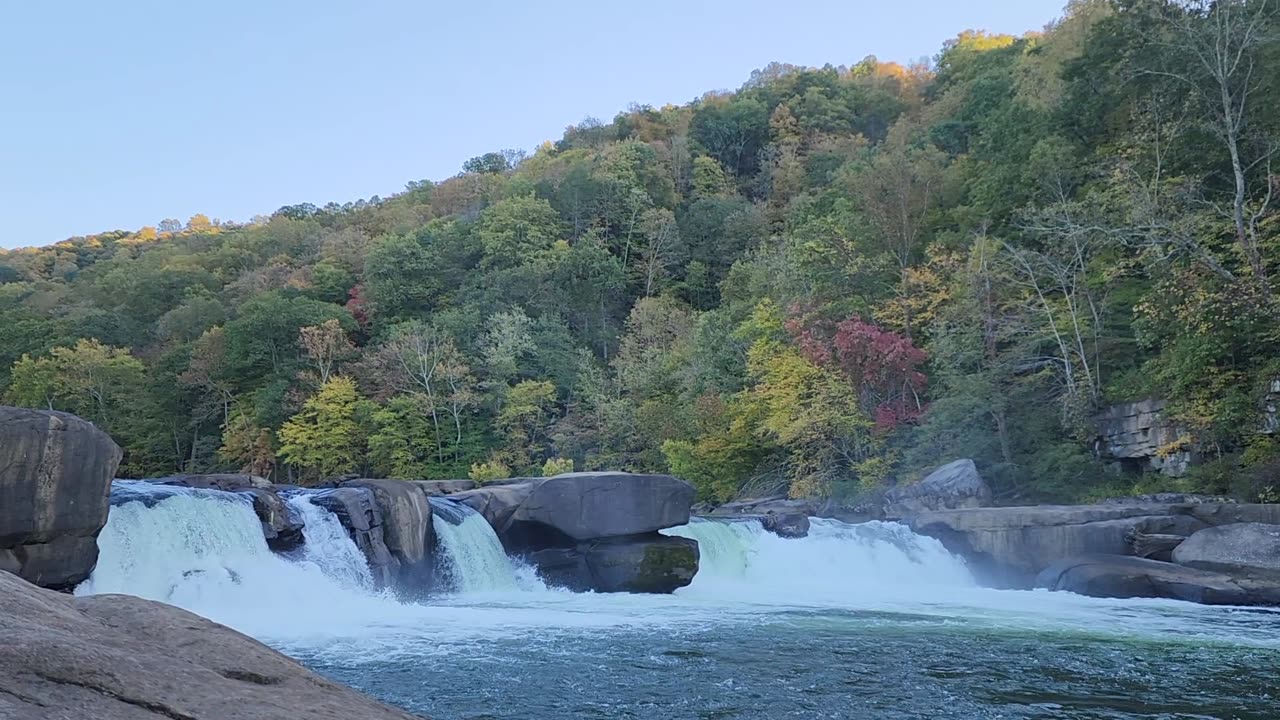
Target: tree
[1214,49]
[326,345]
[525,423]
[325,439]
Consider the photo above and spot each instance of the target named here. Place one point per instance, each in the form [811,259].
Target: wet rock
[953,486]
[1241,550]
[55,479]
[115,657]
[407,530]
[787,525]
[650,563]
[280,525]
[1115,576]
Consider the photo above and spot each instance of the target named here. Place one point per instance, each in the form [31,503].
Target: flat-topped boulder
[594,530]
[1115,576]
[437,488]
[1241,550]
[55,481]
[1008,546]
[116,657]
[582,506]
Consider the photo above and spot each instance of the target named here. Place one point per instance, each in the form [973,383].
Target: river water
[855,621]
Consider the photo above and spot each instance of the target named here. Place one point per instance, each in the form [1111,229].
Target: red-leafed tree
[882,365]
[358,306]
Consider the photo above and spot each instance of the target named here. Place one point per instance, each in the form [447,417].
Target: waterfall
[327,545]
[837,558]
[471,556]
[203,550]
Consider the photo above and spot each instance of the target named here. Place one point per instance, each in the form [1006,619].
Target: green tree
[326,438]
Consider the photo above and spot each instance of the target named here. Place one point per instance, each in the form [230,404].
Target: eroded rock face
[55,480]
[1007,547]
[953,486]
[1138,434]
[407,530]
[115,657]
[1242,550]
[1115,576]
[280,526]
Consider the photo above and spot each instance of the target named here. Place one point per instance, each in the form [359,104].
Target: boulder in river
[437,488]
[594,531]
[1117,576]
[787,525]
[1241,550]
[636,564]
[116,657]
[407,530]
[951,487]
[55,480]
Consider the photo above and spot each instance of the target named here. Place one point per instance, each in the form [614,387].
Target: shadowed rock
[55,479]
[1115,576]
[407,530]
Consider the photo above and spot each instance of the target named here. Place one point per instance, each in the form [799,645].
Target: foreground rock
[1115,576]
[594,531]
[953,486]
[1243,550]
[113,657]
[55,479]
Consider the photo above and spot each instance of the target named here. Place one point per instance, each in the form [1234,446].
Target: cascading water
[472,557]
[203,550]
[835,560]
[327,545]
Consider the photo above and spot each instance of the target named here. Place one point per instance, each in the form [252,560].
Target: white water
[204,551]
[327,545]
[473,556]
[835,562]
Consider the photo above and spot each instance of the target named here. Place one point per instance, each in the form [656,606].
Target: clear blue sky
[117,115]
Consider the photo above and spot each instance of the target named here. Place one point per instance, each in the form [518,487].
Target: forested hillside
[825,281]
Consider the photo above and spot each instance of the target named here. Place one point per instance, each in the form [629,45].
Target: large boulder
[1008,546]
[594,531]
[115,657]
[407,530]
[638,564]
[1115,576]
[55,480]
[587,506]
[360,515]
[953,486]
[1242,550]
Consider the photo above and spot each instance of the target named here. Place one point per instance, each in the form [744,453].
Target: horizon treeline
[823,283]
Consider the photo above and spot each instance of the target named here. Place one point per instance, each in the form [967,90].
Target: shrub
[557,466]
[489,471]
